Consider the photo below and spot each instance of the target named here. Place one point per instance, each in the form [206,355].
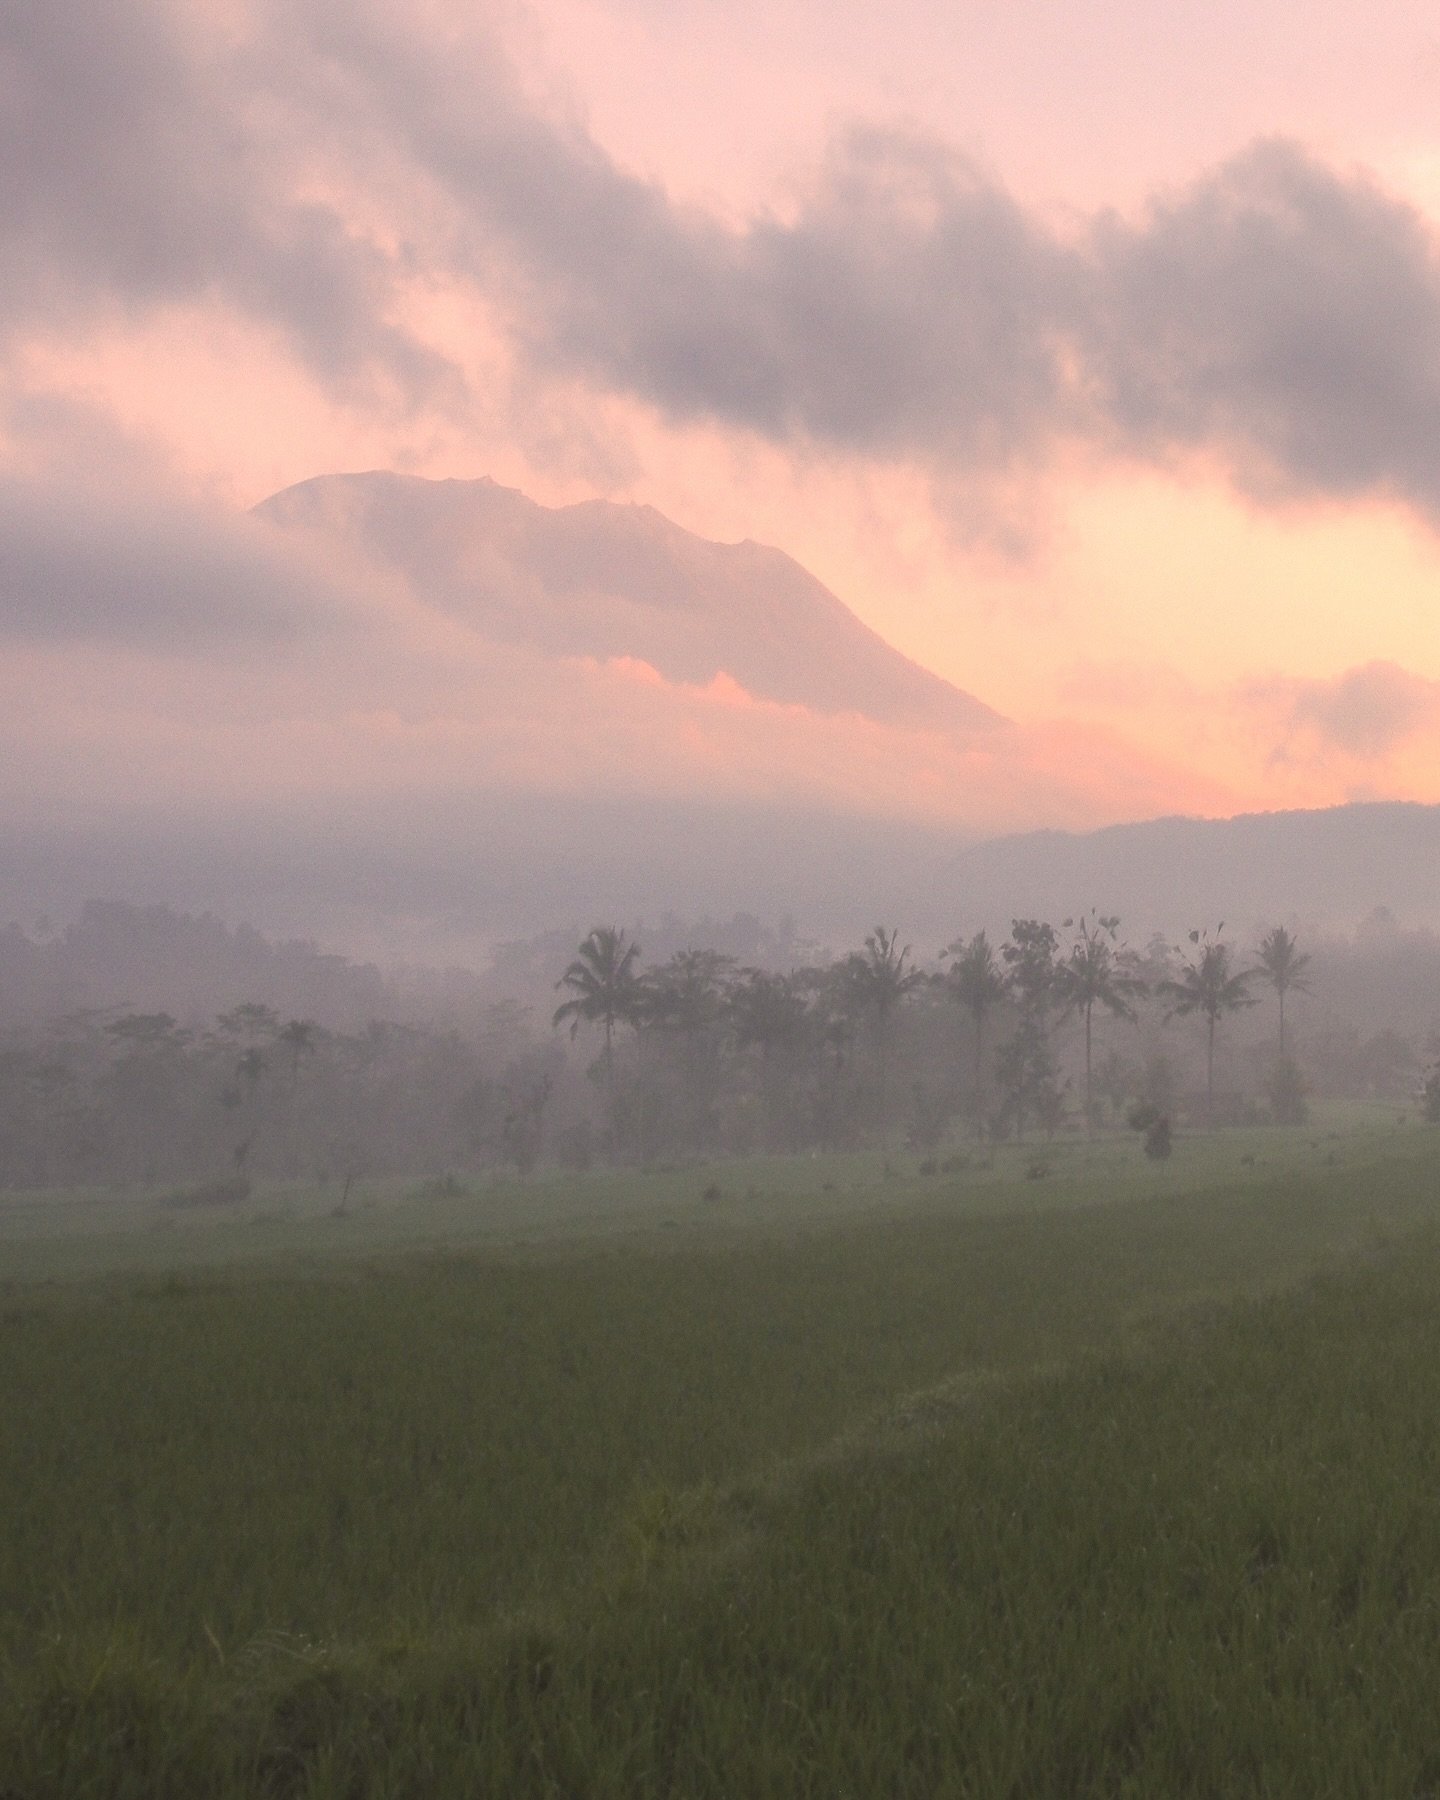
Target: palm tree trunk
[612,1123]
[979,1074]
[1282,1024]
[1089,1106]
[883,1058]
[1210,1073]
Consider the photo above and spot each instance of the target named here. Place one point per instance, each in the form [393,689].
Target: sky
[1091,355]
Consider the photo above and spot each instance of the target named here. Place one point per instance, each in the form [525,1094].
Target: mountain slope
[603,581]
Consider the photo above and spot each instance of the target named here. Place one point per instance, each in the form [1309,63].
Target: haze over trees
[447,882]
[750,1041]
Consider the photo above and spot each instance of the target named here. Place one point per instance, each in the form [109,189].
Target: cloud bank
[140,568]
[313,166]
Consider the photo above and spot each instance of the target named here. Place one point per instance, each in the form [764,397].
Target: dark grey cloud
[1278,315]
[143,166]
[1283,315]
[911,307]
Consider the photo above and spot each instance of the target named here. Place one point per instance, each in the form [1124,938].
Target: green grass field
[795,1478]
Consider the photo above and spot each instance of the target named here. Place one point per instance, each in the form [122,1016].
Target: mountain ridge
[608,580]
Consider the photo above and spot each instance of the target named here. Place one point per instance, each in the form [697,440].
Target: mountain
[607,581]
[537,719]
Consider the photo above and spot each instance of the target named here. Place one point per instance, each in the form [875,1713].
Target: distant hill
[120,956]
[1327,868]
[481,873]
[603,580]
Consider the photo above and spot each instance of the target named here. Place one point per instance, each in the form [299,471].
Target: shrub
[234,1190]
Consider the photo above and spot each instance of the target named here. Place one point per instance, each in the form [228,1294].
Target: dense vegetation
[1115,1481]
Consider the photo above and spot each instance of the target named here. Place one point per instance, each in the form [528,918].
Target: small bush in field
[1145,1116]
[233,1190]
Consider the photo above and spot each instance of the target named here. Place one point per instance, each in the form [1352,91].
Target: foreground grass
[931,1503]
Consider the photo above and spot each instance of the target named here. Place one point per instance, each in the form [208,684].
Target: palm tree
[1207,984]
[978,983]
[879,981]
[603,985]
[300,1038]
[1096,974]
[1283,965]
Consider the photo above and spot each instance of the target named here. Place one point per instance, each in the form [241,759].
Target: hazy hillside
[445,879]
[451,884]
[118,957]
[603,580]
[1327,868]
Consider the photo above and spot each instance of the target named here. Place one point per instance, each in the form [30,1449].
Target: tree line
[115,1095]
[699,1055]
[857,1049]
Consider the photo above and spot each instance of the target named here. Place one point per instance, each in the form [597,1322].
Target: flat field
[1052,1473]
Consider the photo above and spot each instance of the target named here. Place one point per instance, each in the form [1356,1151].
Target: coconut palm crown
[1207,984]
[603,984]
[1283,965]
[978,983]
[1098,972]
